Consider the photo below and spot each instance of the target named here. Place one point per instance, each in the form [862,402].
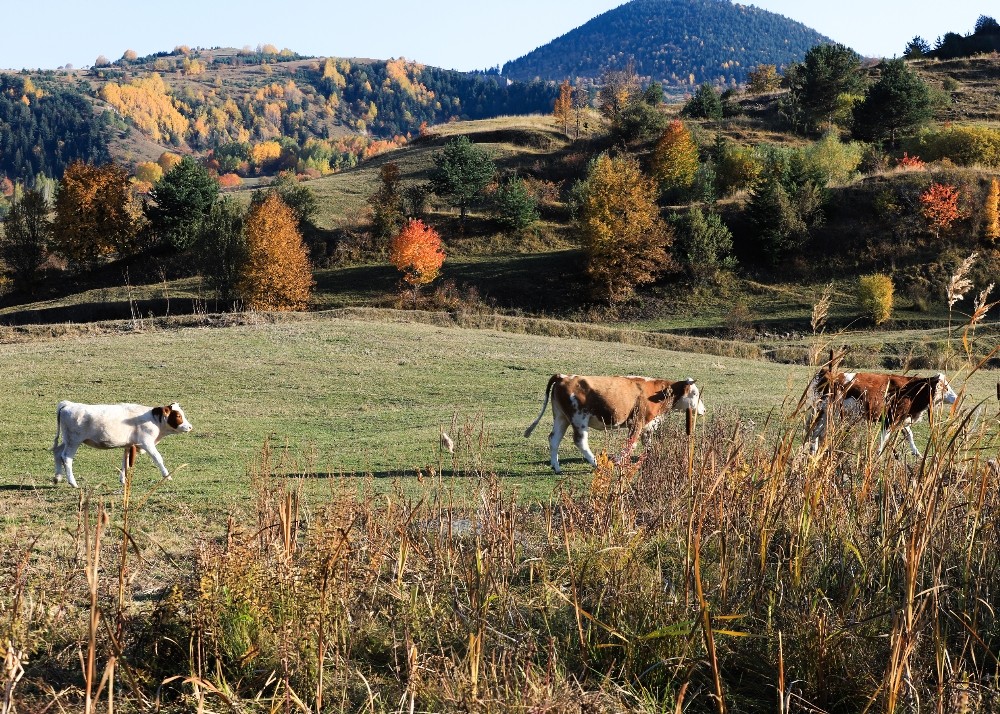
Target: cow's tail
[548,389]
[55,442]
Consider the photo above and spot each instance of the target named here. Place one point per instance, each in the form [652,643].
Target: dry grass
[726,572]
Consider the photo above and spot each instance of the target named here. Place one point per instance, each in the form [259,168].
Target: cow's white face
[176,420]
[691,399]
[943,391]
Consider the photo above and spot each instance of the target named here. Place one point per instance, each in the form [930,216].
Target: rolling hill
[676,42]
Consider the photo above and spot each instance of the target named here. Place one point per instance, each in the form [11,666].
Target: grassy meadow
[712,571]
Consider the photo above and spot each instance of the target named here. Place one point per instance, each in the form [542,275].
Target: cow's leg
[581,431]
[57,455]
[157,459]
[909,437]
[128,460]
[68,452]
[559,426]
[884,437]
[818,430]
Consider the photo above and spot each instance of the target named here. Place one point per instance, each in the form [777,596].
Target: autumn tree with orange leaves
[97,215]
[417,253]
[563,108]
[939,206]
[277,274]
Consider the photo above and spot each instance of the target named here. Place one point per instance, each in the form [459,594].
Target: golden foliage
[277,274]
[563,108]
[762,79]
[625,239]
[148,171]
[168,160]
[991,211]
[145,101]
[675,158]
[97,214]
[417,253]
[875,296]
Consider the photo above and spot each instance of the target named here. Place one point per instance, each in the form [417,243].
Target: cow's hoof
[71,481]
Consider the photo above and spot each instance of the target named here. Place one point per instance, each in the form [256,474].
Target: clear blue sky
[455,34]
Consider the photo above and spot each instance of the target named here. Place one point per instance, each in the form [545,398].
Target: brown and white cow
[635,403]
[114,426]
[894,400]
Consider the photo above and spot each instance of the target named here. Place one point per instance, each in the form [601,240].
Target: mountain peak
[678,43]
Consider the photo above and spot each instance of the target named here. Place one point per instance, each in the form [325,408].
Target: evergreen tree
[26,230]
[705,104]
[182,200]
[301,199]
[818,85]
[388,211]
[513,206]
[222,247]
[461,171]
[916,48]
[703,245]
[897,103]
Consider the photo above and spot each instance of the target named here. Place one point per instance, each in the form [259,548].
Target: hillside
[678,43]
[252,113]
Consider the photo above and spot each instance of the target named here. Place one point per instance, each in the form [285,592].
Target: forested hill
[43,130]
[254,112]
[675,42]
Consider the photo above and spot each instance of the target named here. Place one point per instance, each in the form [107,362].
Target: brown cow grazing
[636,403]
[894,400]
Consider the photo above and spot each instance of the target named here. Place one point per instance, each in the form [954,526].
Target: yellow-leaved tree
[675,158]
[992,211]
[277,274]
[626,241]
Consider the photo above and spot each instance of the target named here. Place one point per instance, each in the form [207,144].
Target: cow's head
[173,417]
[943,391]
[690,398]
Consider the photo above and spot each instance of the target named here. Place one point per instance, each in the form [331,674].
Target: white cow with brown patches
[132,427]
[636,403]
[894,400]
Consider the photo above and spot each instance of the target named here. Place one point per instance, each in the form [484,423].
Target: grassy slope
[344,397]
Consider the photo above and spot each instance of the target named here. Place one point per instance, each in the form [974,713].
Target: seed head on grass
[960,283]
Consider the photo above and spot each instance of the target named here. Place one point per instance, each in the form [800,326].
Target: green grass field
[338,398]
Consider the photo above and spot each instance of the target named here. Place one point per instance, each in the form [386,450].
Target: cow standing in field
[894,400]
[636,403]
[132,427]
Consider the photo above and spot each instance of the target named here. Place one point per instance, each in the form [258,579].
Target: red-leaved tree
[939,206]
[417,253]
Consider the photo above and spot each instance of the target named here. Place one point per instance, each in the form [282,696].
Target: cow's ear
[661,396]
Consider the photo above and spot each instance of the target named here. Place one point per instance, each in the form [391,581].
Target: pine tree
[26,229]
[992,211]
[277,274]
[388,214]
[898,102]
[625,240]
